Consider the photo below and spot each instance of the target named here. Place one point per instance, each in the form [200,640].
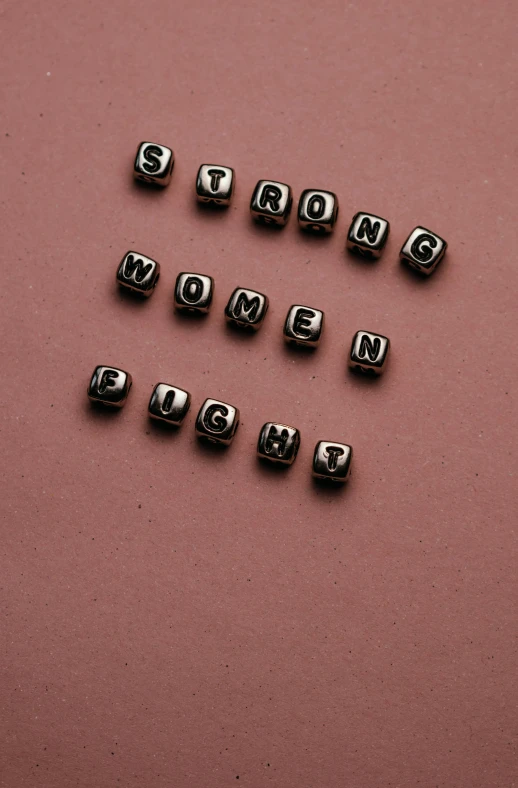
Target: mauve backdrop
[178,616]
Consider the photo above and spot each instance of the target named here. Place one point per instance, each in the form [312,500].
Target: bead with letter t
[215,184]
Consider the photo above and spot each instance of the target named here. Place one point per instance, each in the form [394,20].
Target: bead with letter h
[278,443]
[169,404]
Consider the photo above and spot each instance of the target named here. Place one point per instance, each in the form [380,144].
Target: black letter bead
[109,386]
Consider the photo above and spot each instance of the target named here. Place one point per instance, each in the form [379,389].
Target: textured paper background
[178,616]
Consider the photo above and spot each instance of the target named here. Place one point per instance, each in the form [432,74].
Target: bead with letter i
[278,443]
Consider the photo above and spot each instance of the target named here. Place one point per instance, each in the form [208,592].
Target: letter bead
[138,273]
[369,352]
[278,443]
[215,184]
[247,308]
[304,326]
[318,211]
[109,386]
[217,422]
[153,163]
[332,461]
[193,292]
[423,250]
[271,202]
[367,235]
[169,404]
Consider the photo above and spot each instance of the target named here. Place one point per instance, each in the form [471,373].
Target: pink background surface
[178,616]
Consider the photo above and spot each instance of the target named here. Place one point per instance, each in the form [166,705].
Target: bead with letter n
[169,404]
[369,352]
[367,235]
